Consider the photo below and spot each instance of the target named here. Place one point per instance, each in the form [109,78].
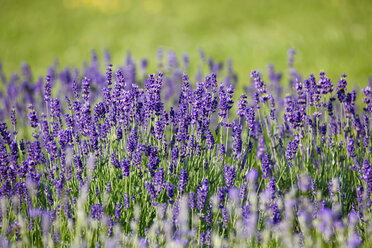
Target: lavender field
[119,156]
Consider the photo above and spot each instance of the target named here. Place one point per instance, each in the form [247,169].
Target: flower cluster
[115,158]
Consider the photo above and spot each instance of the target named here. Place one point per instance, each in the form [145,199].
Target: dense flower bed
[117,158]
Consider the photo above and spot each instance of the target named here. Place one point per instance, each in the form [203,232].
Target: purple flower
[266,165]
[225,218]
[292,147]
[261,147]
[351,148]
[13,119]
[271,187]
[182,182]
[367,176]
[330,108]
[223,103]
[202,239]
[174,159]
[32,116]
[354,240]
[222,150]
[259,84]
[326,222]
[132,141]
[126,201]
[117,212]
[242,106]
[125,167]
[158,180]
[192,201]
[153,161]
[47,89]
[114,160]
[96,211]
[237,137]
[222,196]
[109,75]
[211,82]
[276,213]
[4,132]
[85,88]
[170,192]
[150,189]
[243,191]
[108,187]
[210,140]
[202,194]
[325,84]
[341,88]
[119,133]
[229,174]
[251,119]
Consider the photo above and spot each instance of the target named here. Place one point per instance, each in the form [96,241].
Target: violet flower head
[259,84]
[242,106]
[108,187]
[341,88]
[109,75]
[170,192]
[174,159]
[13,119]
[326,222]
[153,160]
[85,88]
[182,182]
[351,148]
[367,175]
[117,212]
[132,141]
[229,174]
[225,218]
[202,194]
[251,119]
[237,139]
[325,84]
[125,167]
[271,186]
[126,201]
[222,150]
[211,81]
[223,102]
[276,213]
[192,201]
[354,240]
[221,196]
[32,116]
[158,180]
[210,140]
[243,191]
[261,147]
[96,211]
[151,190]
[47,89]
[266,165]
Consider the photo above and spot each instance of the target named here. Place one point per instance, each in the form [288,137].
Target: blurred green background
[334,36]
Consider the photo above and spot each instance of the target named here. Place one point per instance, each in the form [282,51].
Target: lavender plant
[99,158]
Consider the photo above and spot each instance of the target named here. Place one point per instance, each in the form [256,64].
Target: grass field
[334,36]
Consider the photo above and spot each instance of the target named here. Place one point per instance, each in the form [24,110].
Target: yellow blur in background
[115,6]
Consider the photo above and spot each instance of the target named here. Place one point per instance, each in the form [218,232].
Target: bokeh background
[334,36]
